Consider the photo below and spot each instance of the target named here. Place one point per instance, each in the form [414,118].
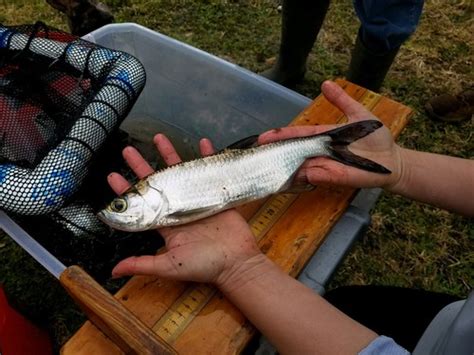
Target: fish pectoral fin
[195,212]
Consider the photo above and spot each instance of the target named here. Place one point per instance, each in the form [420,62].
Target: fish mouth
[102,216]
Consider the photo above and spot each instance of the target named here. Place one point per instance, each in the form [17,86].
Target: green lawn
[408,244]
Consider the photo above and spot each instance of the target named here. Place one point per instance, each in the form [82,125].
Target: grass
[408,244]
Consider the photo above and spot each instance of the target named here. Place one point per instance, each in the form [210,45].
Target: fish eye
[118,205]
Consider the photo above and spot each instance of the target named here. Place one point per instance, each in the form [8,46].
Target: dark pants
[400,313]
[386,24]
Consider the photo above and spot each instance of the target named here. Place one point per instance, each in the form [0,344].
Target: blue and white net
[60,98]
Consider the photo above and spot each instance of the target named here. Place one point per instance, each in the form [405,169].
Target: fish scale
[219,179]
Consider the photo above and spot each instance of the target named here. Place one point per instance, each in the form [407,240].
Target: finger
[339,98]
[118,183]
[159,265]
[166,149]
[136,162]
[206,147]
[292,132]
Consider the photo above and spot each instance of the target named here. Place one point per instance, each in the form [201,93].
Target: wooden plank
[219,327]
[126,330]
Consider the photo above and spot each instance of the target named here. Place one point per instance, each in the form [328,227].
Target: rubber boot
[83,16]
[301,22]
[452,108]
[368,69]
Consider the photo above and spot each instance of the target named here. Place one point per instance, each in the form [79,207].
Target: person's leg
[385,25]
[400,313]
[301,22]
[84,16]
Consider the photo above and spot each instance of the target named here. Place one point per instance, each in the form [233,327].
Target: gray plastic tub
[195,94]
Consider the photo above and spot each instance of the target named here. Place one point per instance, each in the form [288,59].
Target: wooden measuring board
[196,318]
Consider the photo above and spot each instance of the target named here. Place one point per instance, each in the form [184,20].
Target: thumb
[339,98]
[159,265]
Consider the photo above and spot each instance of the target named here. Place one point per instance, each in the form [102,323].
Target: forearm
[293,317]
[439,180]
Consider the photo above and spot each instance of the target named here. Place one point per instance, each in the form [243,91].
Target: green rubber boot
[368,69]
[301,22]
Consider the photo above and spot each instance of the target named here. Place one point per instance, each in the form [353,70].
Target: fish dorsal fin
[245,143]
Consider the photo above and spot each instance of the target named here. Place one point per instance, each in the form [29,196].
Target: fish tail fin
[345,135]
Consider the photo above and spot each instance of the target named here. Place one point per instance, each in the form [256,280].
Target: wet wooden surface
[219,328]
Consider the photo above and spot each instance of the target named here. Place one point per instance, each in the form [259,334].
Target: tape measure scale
[183,311]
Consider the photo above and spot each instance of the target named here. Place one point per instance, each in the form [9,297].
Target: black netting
[61,100]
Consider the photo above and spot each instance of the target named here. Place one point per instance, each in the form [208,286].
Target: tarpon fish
[199,188]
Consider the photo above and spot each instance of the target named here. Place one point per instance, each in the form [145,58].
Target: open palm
[202,251]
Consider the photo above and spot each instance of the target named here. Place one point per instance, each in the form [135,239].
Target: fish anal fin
[299,188]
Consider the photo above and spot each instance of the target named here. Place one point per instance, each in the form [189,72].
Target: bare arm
[439,180]
[293,317]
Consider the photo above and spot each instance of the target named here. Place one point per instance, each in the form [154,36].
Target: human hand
[208,250]
[378,146]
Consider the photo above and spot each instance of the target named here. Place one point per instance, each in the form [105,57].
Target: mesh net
[61,101]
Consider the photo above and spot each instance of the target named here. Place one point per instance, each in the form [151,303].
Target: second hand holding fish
[379,146]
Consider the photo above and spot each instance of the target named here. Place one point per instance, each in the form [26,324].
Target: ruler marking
[195,297]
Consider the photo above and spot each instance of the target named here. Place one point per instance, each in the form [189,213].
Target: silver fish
[199,188]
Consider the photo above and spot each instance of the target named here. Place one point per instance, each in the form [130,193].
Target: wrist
[241,273]
[399,175]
